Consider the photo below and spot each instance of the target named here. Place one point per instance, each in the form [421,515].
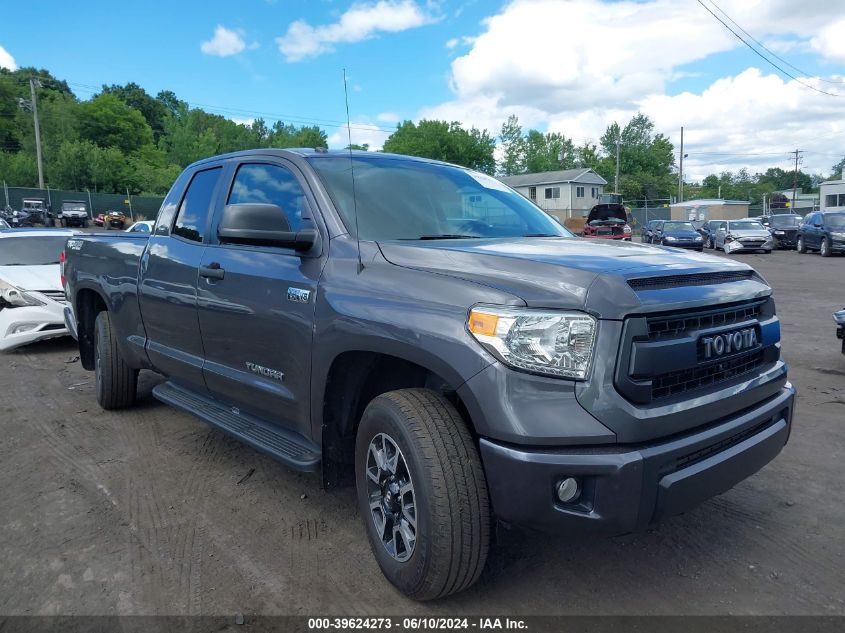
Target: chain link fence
[135,207]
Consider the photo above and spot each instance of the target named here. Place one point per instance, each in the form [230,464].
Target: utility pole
[32,83]
[616,179]
[795,178]
[681,169]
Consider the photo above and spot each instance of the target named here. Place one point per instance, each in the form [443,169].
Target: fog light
[23,327]
[567,490]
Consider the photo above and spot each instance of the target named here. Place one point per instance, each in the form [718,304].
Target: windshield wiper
[449,236]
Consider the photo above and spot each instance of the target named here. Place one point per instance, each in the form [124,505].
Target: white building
[565,194]
[832,195]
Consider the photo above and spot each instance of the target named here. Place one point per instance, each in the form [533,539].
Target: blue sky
[570,66]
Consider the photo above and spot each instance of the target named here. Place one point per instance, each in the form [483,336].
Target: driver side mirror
[262,225]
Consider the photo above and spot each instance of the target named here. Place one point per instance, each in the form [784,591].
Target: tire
[800,247]
[824,249]
[448,493]
[768,251]
[116,383]
[711,244]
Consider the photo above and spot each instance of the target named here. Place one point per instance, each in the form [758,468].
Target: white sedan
[32,299]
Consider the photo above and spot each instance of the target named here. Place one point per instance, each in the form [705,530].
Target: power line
[768,50]
[763,57]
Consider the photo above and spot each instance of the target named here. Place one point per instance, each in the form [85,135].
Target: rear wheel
[116,382]
[824,250]
[801,247]
[422,493]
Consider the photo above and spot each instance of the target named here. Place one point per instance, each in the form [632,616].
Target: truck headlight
[13,297]
[548,342]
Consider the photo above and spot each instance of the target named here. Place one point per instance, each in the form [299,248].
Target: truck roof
[308,152]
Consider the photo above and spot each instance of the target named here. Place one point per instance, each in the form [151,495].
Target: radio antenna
[352,172]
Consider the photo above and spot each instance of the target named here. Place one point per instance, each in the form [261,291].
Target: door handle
[212,271]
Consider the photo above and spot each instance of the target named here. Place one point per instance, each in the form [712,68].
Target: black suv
[822,232]
[708,231]
[784,229]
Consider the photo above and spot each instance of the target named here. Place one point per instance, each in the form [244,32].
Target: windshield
[837,221]
[785,220]
[678,226]
[399,199]
[73,207]
[31,251]
[747,225]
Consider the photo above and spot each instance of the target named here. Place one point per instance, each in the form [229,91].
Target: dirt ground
[150,511]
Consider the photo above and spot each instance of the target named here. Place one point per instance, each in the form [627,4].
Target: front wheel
[824,249]
[422,493]
[801,248]
[116,382]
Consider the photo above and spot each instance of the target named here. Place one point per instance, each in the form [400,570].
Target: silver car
[743,235]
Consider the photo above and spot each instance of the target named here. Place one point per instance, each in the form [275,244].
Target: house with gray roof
[564,194]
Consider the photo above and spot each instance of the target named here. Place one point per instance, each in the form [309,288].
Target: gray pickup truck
[428,333]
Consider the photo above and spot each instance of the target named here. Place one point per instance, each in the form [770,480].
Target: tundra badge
[275,374]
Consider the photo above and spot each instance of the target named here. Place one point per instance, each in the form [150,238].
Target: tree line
[123,138]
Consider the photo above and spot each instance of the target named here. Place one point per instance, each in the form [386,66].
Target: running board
[287,447]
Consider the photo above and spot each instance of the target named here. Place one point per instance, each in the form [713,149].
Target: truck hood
[573,273]
[43,277]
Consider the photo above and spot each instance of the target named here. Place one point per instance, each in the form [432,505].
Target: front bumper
[837,245]
[28,324]
[749,244]
[626,488]
[699,246]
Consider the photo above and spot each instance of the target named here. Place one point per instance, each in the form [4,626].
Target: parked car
[708,231]
[32,300]
[100,220]
[608,220]
[144,226]
[784,229]
[823,232]
[839,318]
[455,365]
[743,235]
[647,231]
[73,213]
[677,233]
[114,220]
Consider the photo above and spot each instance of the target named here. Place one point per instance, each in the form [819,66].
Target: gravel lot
[151,512]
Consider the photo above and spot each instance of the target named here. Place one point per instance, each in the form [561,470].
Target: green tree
[445,141]
[108,122]
[153,110]
[548,152]
[512,142]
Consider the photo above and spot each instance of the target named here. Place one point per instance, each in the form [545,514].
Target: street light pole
[681,169]
[37,133]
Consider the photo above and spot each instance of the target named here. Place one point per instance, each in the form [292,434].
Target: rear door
[257,313]
[168,280]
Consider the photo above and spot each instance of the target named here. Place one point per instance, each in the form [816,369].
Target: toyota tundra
[430,333]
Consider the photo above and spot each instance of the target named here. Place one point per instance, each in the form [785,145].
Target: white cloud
[225,42]
[831,41]
[617,58]
[360,22]
[6,60]
[363,133]
[387,117]
[242,120]
[452,43]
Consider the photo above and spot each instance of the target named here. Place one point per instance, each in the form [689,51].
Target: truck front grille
[678,382]
[663,327]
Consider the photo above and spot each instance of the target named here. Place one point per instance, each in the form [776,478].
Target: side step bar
[287,447]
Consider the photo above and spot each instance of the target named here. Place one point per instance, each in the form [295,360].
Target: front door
[256,313]
[168,283]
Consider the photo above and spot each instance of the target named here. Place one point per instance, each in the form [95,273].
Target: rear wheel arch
[89,303]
